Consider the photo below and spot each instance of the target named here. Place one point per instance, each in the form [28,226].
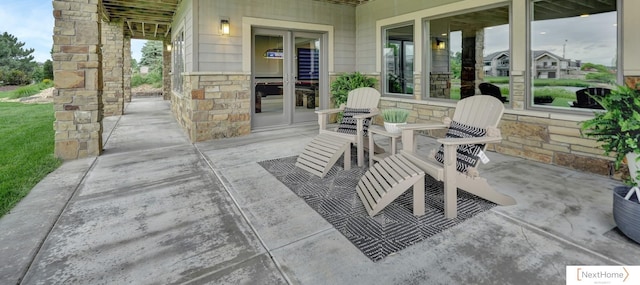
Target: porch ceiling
[143,19]
[151,19]
[550,9]
[346,2]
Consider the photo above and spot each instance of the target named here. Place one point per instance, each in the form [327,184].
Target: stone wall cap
[531,113]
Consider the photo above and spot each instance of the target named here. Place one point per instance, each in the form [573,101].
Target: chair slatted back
[480,111]
[364,97]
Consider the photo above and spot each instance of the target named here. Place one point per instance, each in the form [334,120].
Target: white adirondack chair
[387,180]
[320,155]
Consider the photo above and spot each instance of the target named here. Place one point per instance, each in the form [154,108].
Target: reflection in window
[467,50]
[398,60]
[573,46]
[178,62]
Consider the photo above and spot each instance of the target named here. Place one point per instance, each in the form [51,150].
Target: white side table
[381,131]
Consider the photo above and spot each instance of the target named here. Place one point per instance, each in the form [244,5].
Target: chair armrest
[364,116]
[323,116]
[328,111]
[409,138]
[419,127]
[477,140]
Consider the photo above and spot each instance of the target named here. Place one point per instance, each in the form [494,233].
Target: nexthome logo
[587,274]
[595,273]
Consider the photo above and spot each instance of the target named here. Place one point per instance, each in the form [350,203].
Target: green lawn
[26,149]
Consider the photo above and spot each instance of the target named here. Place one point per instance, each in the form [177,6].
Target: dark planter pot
[626,213]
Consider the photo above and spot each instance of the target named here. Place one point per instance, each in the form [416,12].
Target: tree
[152,55]
[135,66]
[16,62]
[44,71]
[456,64]
[47,69]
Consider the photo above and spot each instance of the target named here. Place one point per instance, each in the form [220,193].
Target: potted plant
[393,118]
[618,128]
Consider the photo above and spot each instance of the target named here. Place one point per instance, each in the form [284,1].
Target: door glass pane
[268,70]
[398,60]
[307,72]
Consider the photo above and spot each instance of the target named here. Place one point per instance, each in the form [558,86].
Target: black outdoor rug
[334,197]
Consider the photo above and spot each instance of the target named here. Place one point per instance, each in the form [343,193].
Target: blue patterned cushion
[467,155]
[348,125]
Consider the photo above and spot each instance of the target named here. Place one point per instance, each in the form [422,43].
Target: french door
[288,78]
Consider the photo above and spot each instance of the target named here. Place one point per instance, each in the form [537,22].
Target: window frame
[178,62]
[385,40]
[427,52]
[528,92]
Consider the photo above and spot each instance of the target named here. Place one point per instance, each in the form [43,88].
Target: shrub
[346,82]
[497,79]
[46,83]
[554,93]
[25,91]
[15,77]
[601,76]
[153,78]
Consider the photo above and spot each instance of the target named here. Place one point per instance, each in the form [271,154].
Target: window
[398,60]
[466,50]
[178,62]
[573,46]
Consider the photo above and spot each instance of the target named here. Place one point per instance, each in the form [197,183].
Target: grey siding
[369,13]
[217,53]
[183,21]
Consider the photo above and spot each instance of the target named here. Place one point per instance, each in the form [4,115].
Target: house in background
[497,64]
[547,65]
[222,56]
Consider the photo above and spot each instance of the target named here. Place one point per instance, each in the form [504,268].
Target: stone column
[127,69]
[468,69]
[113,68]
[77,79]
[166,70]
[632,82]
[479,61]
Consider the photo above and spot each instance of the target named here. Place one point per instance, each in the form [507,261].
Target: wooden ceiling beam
[168,30]
[130,29]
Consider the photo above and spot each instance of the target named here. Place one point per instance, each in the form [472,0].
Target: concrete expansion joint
[541,231]
[54,224]
[534,249]
[227,188]
[106,138]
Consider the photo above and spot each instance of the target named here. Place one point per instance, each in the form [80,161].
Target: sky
[31,21]
[589,39]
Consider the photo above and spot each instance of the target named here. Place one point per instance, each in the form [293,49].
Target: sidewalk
[156,209]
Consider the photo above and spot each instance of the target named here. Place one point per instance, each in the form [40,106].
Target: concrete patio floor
[156,209]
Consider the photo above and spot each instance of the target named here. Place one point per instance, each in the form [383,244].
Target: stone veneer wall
[543,138]
[113,68]
[440,86]
[214,105]
[126,51]
[166,70]
[76,68]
